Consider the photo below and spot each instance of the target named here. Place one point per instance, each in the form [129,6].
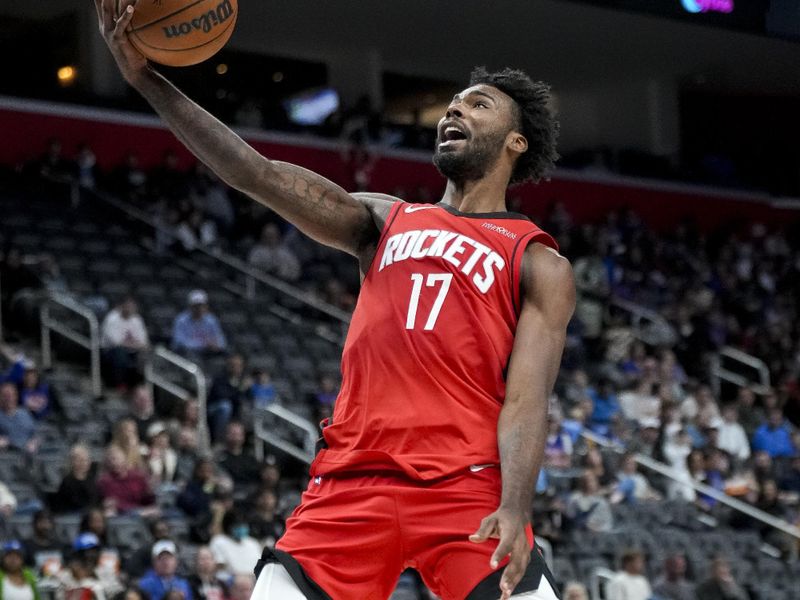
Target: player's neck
[484,195]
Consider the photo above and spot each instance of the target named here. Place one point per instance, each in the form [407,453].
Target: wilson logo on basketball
[203,23]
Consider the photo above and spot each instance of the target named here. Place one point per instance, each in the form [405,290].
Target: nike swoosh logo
[411,209]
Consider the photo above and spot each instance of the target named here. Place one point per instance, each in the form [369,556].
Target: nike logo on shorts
[411,209]
[476,468]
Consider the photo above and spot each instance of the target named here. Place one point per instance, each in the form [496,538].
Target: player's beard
[473,161]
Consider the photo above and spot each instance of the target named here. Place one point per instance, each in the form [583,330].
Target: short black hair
[536,121]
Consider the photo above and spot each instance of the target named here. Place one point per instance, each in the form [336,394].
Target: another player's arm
[547,306]
[318,207]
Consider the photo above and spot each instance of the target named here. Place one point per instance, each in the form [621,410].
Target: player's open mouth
[451,135]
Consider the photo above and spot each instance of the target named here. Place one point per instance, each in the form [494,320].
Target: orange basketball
[179,33]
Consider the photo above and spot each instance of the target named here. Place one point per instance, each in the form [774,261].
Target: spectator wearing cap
[732,437]
[123,336]
[774,436]
[206,585]
[17,426]
[141,559]
[43,539]
[196,330]
[35,394]
[162,578]
[79,580]
[235,550]
[78,489]
[16,582]
[124,489]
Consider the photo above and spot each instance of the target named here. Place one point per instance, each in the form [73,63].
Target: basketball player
[437,435]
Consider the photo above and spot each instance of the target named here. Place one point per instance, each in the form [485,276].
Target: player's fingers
[485,531]
[503,549]
[513,572]
[124,19]
[107,16]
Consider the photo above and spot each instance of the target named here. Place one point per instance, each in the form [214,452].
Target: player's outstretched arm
[318,207]
[547,306]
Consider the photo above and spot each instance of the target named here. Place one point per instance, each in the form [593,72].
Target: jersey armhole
[517,257]
[393,212]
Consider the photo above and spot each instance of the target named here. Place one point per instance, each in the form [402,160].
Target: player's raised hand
[509,528]
[129,60]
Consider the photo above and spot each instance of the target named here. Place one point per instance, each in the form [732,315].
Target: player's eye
[481,104]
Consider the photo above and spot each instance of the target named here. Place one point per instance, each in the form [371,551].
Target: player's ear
[517,142]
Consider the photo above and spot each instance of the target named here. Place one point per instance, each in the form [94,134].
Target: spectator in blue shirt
[196,330]
[606,406]
[774,436]
[161,579]
[17,427]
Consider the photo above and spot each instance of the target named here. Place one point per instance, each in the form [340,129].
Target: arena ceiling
[574,46]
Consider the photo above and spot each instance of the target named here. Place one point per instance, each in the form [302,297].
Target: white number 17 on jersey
[433,278]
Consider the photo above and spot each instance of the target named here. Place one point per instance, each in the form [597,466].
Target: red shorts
[354,535]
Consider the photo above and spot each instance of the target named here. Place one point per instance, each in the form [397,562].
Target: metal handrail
[91,343]
[155,378]
[599,574]
[660,332]
[718,372]
[267,435]
[233,262]
[721,497]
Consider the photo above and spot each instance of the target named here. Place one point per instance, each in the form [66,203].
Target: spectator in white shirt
[732,436]
[235,550]
[123,337]
[630,583]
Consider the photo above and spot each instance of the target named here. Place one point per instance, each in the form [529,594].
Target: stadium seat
[19,527]
[128,532]
[66,527]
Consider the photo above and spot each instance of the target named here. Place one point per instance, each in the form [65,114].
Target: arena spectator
[774,436]
[17,277]
[575,591]
[241,466]
[242,586]
[43,538]
[123,488]
[228,392]
[591,281]
[605,404]
[186,454]
[721,585]
[84,574]
[162,577]
[272,256]
[212,196]
[649,435]
[630,582]
[587,509]
[123,338]
[53,163]
[205,583]
[85,166]
[677,450]
[128,179]
[235,551]
[162,460]
[265,524]
[631,485]
[168,182]
[595,461]
[94,522]
[197,331]
[750,415]
[328,390]
[136,566]
[732,437]
[143,410]
[8,502]
[195,231]
[262,391]
[126,437]
[78,489]
[17,427]
[198,493]
[790,481]
[16,581]
[558,445]
[35,394]
[673,585]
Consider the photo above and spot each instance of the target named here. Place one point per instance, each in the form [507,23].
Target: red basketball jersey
[424,363]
